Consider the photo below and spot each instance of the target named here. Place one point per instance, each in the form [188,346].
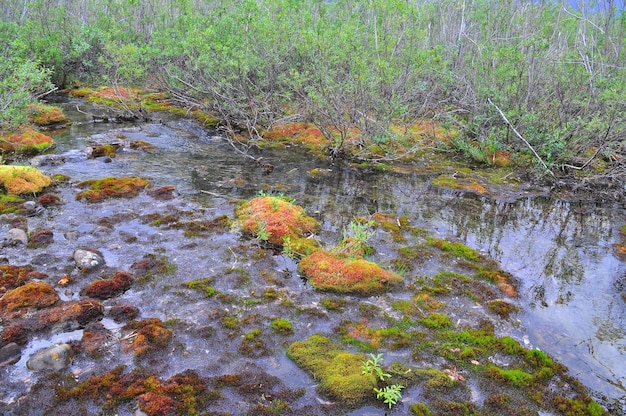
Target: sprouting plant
[289,247]
[390,394]
[356,236]
[261,232]
[372,366]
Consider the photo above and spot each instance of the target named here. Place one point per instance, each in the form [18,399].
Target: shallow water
[570,283]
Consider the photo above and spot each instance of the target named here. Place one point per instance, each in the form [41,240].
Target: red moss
[26,141]
[46,115]
[108,288]
[32,294]
[14,276]
[14,332]
[163,193]
[328,271]
[123,313]
[82,312]
[99,189]
[279,218]
[40,238]
[49,199]
[145,336]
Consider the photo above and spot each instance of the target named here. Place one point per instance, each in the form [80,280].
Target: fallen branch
[506,120]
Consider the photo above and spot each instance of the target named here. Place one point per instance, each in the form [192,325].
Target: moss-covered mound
[338,372]
[22,179]
[32,294]
[337,273]
[279,222]
[46,115]
[27,141]
[124,187]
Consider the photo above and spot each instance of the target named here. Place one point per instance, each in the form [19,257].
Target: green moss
[502,308]
[99,189]
[456,249]
[335,305]
[338,372]
[516,377]
[436,321]
[203,286]
[538,358]
[282,326]
[230,322]
[419,409]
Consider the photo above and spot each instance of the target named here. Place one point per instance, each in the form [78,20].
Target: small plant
[390,394]
[372,366]
[289,247]
[261,232]
[356,236]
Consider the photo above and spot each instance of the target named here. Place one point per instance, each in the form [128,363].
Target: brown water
[560,252]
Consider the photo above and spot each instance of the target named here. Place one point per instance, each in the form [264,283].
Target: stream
[571,285]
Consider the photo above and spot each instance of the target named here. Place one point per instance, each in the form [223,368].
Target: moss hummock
[279,220]
[338,372]
[27,141]
[337,273]
[32,294]
[46,115]
[19,180]
[100,189]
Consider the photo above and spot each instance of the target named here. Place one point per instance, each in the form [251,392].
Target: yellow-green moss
[278,219]
[46,115]
[332,272]
[99,189]
[22,179]
[337,372]
[27,141]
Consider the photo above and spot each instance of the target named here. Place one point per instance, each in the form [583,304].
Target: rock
[53,358]
[30,208]
[47,160]
[15,236]
[87,260]
[10,354]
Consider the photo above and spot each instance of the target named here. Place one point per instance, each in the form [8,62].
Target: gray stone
[53,358]
[10,354]
[15,236]
[87,259]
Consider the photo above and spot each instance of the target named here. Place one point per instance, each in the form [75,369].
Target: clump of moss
[455,248]
[205,119]
[368,339]
[277,220]
[22,179]
[32,294]
[151,265]
[336,273]
[109,150]
[282,326]
[46,115]
[202,286]
[436,321]
[76,313]
[108,288]
[252,344]
[26,141]
[145,336]
[419,409]
[502,308]
[338,372]
[335,305]
[99,189]
[13,276]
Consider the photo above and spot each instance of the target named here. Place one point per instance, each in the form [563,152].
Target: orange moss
[82,312]
[428,129]
[13,276]
[145,336]
[26,141]
[32,294]
[22,179]
[279,218]
[108,288]
[99,189]
[620,251]
[113,96]
[14,332]
[141,145]
[46,115]
[109,150]
[328,271]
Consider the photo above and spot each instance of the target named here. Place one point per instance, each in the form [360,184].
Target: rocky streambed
[131,287]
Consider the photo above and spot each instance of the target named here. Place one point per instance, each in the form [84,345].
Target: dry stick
[506,120]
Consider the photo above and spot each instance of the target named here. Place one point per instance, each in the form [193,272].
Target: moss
[252,344]
[108,288]
[230,322]
[502,308]
[22,179]
[338,372]
[145,336]
[48,200]
[331,272]
[81,92]
[26,141]
[577,407]
[419,409]
[14,276]
[456,249]
[32,294]
[74,312]
[202,286]
[205,119]
[118,97]
[141,145]
[99,189]
[282,326]
[279,220]
[436,321]
[150,266]
[109,150]
[46,115]
[622,230]
[334,305]
[515,377]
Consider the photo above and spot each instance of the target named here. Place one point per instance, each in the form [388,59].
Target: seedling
[391,394]
[372,366]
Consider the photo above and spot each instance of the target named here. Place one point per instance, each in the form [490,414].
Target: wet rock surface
[180,305]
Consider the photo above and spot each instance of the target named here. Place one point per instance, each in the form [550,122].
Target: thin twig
[506,120]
